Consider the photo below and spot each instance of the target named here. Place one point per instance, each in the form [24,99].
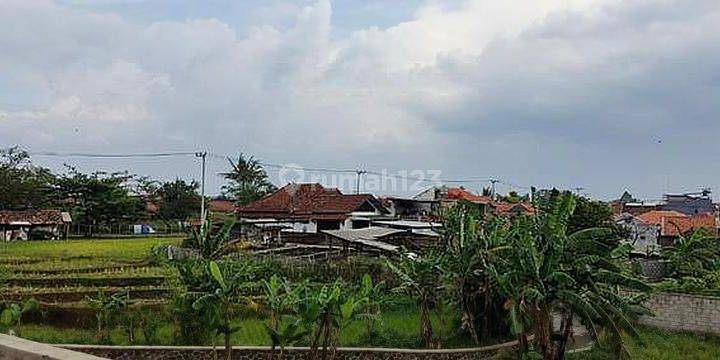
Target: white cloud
[481,78]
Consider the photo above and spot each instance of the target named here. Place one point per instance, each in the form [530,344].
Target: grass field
[65,271]
[96,249]
[662,345]
[400,328]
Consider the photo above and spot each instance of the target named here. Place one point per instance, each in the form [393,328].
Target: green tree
[469,266]
[280,304]
[98,199]
[22,184]
[178,200]
[572,274]
[328,310]
[419,277]
[247,180]
[220,301]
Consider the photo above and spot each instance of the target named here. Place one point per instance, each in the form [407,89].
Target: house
[446,196]
[410,209]
[221,205]
[690,203]
[672,224]
[29,224]
[310,208]
[642,236]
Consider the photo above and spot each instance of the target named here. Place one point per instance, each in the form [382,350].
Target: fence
[684,312]
[149,229]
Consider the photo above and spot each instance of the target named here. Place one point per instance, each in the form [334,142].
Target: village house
[445,196]
[642,236]
[31,224]
[671,224]
[691,203]
[311,208]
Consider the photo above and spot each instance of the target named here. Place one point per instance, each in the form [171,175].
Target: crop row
[83,281]
[92,271]
[75,294]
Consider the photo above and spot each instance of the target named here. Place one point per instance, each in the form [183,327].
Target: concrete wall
[298,353]
[14,348]
[684,312]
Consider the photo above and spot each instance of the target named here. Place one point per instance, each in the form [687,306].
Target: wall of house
[689,205]
[261,353]
[684,312]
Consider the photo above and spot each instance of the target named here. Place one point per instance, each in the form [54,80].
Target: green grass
[662,345]
[97,249]
[399,328]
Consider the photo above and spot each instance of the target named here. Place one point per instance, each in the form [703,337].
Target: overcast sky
[605,95]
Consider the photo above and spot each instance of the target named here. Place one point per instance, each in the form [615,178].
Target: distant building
[410,209]
[28,224]
[221,205]
[309,208]
[642,236]
[671,224]
[445,196]
[690,203]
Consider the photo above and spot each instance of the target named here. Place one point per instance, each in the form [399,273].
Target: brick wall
[684,312]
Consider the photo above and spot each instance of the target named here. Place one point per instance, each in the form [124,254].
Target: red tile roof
[673,223]
[306,201]
[221,205]
[33,217]
[462,194]
[517,208]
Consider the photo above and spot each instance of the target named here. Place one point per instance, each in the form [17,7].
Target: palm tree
[247,179]
[573,275]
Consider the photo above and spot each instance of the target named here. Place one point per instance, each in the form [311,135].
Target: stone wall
[684,312]
[296,353]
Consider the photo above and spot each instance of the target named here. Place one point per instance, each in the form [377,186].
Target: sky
[604,95]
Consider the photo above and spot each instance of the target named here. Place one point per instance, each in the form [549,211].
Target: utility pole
[202,155]
[357,184]
[492,187]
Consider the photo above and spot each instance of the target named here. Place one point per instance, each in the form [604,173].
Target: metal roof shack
[367,237]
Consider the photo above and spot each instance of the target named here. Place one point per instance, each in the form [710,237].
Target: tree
[553,271]
[328,309]
[281,300]
[247,180]
[220,302]
[469,267]
[99,198]
[178,200]
[420,277]
[22,184]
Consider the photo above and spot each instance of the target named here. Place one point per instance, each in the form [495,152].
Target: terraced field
[64,273]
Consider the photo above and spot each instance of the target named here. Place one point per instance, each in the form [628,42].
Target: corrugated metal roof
[367,236]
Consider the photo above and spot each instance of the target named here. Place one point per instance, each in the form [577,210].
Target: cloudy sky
[604,95]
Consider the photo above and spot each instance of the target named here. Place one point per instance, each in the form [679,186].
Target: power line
[469,180]
[114,156]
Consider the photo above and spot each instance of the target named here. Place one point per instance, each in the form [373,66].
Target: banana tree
[327,310]
[281,299]
[574,275]
[12,315]
[420,277]
[372,298]
[474,252]
[219,303]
